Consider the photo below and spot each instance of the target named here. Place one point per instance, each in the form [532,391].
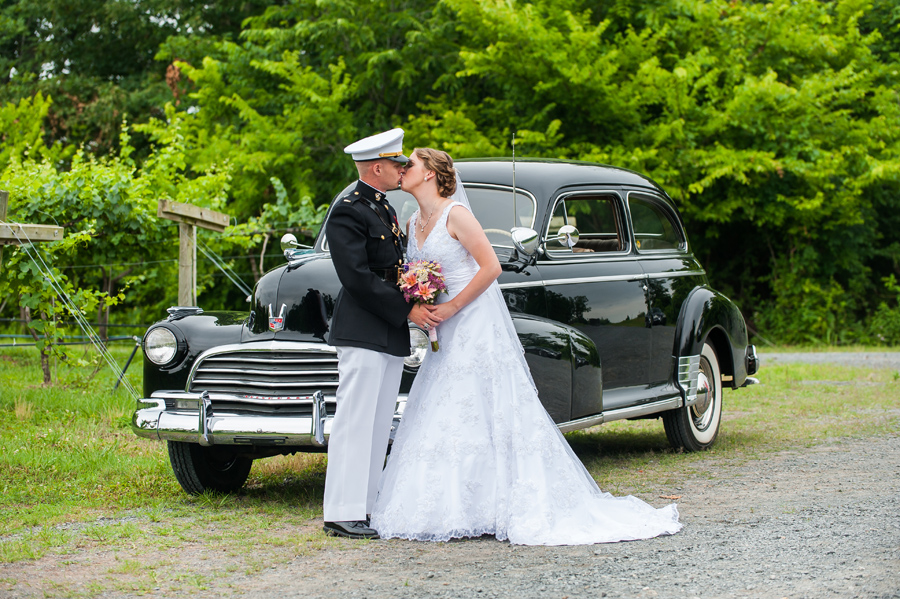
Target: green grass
[796,406]
[67,455]
[73,476]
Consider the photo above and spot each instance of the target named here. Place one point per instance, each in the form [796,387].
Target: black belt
[391,275]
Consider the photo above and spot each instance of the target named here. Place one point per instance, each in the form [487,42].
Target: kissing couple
[475,453]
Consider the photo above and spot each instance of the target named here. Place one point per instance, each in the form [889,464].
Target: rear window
[655,227]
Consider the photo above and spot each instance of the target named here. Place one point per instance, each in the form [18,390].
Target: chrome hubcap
[700,411]
[703,395]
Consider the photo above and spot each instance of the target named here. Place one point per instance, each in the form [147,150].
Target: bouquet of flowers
[421,281]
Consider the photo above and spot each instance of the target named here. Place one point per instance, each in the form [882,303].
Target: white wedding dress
[476,453]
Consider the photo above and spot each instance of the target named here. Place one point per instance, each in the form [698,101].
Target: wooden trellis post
[189,217]
[11,234]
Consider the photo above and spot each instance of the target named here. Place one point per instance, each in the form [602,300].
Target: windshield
[492,206]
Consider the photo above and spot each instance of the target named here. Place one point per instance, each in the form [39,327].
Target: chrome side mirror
[288,241]
[567,236]
[524,239]
[290,247]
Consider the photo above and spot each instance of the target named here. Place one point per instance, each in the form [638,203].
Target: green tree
[769,123]
[307,79]
[96,58]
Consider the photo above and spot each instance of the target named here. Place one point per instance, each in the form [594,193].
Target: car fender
[707,314]
[204,330]
[552,349]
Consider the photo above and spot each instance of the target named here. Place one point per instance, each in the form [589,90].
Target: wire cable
[74,311]
[220,264]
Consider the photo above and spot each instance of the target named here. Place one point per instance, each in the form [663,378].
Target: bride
[476,453]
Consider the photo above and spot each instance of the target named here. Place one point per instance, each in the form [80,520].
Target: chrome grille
[267,377]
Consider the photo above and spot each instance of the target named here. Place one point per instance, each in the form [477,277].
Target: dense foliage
[773,125]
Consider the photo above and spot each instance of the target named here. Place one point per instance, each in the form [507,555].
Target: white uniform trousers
[369,382]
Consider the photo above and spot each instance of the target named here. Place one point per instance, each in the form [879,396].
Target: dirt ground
[817,522]
[812,522]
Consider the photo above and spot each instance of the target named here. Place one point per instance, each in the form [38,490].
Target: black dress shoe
[354,529]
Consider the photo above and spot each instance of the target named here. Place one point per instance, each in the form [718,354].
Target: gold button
[382,236]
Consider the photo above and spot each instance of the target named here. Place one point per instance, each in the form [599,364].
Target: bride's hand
[445,310]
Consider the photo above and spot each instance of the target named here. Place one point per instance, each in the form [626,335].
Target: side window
[597,221]
[655,228]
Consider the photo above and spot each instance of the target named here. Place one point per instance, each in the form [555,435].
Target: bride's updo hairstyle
[442,165]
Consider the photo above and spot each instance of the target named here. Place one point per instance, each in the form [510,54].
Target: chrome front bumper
[190,417]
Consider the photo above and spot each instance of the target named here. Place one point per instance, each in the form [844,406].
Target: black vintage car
[616,316]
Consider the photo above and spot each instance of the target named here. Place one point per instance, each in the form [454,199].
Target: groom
[369,331]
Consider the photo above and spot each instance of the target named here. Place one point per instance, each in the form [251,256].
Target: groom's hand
[423,314]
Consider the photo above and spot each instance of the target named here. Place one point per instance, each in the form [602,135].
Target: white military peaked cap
[383,145]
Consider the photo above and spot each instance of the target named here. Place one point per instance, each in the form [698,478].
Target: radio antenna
[514,177]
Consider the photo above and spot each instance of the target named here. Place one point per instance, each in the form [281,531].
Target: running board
[621,414]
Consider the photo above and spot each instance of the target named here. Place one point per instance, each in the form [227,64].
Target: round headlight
[160,345]
[418,347]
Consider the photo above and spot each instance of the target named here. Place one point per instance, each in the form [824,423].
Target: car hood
[294,302]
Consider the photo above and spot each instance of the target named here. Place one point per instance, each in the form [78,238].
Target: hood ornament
[276,323]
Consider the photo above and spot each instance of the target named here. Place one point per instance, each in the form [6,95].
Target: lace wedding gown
[476,453]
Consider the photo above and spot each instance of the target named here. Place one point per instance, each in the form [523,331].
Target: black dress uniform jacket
[370,312]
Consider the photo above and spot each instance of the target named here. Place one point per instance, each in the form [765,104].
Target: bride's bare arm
[464,227]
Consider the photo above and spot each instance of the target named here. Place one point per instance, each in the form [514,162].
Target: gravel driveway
[820,522]
[859,359]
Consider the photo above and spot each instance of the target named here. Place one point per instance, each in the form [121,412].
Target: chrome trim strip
[689,377]
[677,273]
[574,425]
[521,285]
[588,257]
[271,384]
[620,414]
[269,360]
[573,281]
[606,279]
[609,278]
[230,397]
[268,372]
[270,345]
[643,409]
[302,259]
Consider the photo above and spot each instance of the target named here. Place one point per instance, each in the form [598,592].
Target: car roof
[545,176]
